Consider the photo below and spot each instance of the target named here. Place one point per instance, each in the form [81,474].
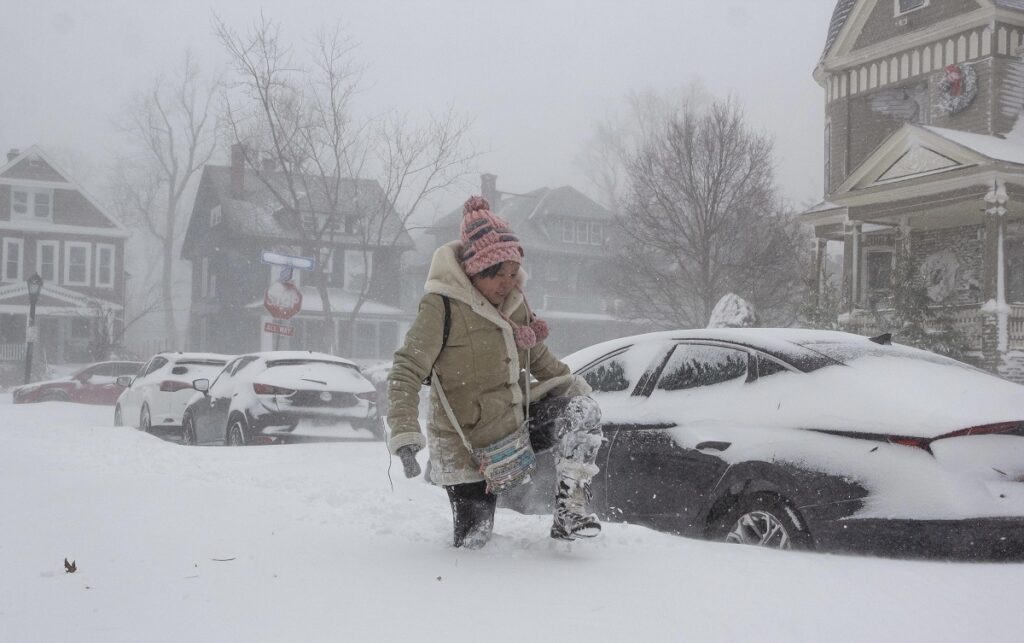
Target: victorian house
[924,160]
[238,216]
[50,226]
[568,241]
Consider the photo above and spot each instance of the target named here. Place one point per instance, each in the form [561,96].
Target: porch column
[995,311]
[851,268]
[818,268]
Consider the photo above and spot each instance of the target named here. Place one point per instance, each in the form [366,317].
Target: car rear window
[302,362]
[849,352]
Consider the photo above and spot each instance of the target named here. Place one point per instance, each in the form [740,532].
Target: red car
[94,384]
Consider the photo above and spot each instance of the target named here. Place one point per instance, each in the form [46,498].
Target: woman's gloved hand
[409,463]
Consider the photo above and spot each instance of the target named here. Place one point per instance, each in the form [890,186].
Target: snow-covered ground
[310,543]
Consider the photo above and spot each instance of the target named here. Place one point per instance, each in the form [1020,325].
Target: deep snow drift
[310,543]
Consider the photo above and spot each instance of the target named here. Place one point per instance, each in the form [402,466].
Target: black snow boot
[472,513]
[571,520]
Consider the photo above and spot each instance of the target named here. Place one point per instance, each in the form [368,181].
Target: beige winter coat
[479,370]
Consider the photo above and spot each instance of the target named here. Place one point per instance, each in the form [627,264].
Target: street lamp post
[35,284]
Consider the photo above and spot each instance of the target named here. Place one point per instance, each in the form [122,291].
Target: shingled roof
[260,213]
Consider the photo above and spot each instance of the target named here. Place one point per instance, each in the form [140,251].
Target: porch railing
[12,352]
[967,318]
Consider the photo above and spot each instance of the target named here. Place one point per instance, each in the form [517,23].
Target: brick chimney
[237,170]
[489,190]
[13,154]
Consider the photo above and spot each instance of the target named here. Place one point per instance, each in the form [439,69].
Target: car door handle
[713,444]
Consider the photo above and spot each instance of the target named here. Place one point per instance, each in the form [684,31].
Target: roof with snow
[260,212]
[994,147]
[526,213]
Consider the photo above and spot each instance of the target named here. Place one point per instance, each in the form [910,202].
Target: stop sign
[283,300]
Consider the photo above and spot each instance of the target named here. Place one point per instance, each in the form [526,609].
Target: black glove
[408,456]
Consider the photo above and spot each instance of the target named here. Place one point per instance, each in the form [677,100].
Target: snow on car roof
[307,355]
[780,340]
[204,357]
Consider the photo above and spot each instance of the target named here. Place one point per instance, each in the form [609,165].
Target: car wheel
[188,431]
[145,422]
[236,433]
[118,418]
[765,520]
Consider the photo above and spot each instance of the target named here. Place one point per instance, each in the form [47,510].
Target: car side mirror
[124,381]
[201,385]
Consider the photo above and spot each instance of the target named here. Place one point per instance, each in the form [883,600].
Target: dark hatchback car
[282,396]
[94,384]
[806,440]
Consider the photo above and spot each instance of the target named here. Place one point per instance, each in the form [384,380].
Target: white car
[157,396]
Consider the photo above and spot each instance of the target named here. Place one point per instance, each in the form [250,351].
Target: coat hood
[446,277]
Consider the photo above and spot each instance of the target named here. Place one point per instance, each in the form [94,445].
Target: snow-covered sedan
[94,384]
[157,396]
[805,439]
[282,396]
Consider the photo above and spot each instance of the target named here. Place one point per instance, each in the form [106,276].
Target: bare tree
[343,182]
[702,218]
[171,128]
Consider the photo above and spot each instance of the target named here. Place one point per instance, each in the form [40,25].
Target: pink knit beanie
[487,239]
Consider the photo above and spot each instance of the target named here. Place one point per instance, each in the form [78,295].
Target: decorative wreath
[958,88]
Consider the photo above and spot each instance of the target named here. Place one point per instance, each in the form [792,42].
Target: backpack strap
[444,335]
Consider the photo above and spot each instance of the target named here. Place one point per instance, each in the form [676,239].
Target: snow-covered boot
[472,514]
[571,520]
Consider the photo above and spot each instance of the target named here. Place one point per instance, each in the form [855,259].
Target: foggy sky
[535,76]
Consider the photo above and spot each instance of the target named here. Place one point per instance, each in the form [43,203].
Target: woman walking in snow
[473,337]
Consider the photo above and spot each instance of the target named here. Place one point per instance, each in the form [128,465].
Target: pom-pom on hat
[487,239]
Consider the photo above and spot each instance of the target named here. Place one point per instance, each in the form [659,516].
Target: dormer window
[906,6]
[31,204]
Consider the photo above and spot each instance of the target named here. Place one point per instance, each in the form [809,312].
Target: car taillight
[985,429]
[268,389]
[370,396]
[170,386]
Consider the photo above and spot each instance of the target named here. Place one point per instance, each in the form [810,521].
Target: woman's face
[497,288]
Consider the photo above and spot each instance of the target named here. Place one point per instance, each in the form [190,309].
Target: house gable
[860,27]
[73,208]
[911,152]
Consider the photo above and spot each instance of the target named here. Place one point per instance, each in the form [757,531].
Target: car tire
[118,417]
[766,520]
[236,436]
[145,419]
[188,431]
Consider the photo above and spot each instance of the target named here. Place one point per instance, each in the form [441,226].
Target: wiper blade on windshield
[305,379]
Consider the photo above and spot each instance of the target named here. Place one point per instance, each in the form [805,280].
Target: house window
[46,260]
[582,232]
[76,263]
[32,204]
[104,265]
[14,251]
[906,6]
[358,270]
[878,269]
